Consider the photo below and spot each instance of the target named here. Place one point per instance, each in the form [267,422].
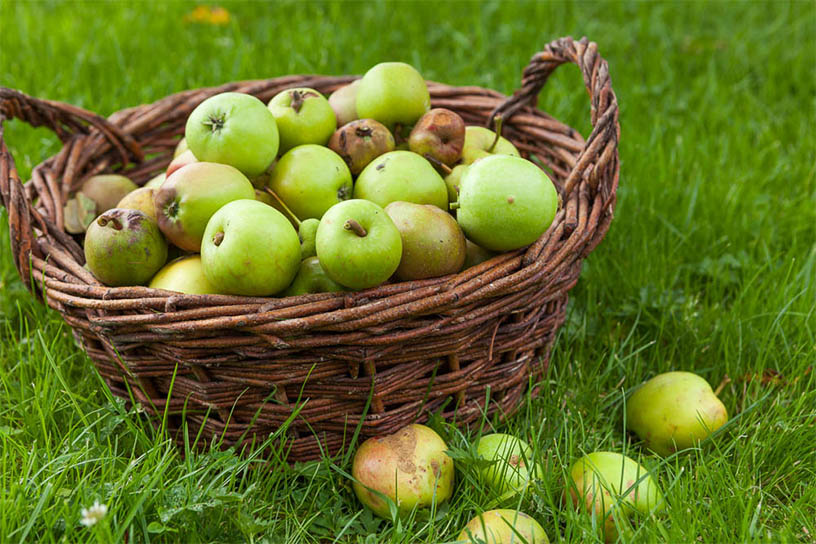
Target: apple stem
[439,164]
[454,205]
[355,227]
[297,101]
[283,205]
[218,238]
[114,222]
[363,132]
[498,121]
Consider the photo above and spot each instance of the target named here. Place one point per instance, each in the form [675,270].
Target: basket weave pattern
[382,357]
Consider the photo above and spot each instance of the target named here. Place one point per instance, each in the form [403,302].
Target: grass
[710,266]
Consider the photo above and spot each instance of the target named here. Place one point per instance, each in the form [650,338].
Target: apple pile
[411,469]
[308,194]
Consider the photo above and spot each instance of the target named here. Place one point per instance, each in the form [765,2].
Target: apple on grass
[187,199]
[505,202]
[183,275]
[511,469]
[410,467]
[404,176]
[358,244]
[303,116]
[235,129]
[310,179]
[393,93]
[503,527]
[250,248]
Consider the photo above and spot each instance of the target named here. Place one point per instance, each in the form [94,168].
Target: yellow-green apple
[310,179]
[250,248]
[181,147]
[307,231]
[358,245]
[674,411]
[393,93]
[187,199]
[311,278]
[503,527]
[156,181]
[401,175]
[183,275]
[304,116]
[124,247]
[141,199]
[512,466]
[505,202]
[107,190]
[235,129]
[453,180]
[480,142]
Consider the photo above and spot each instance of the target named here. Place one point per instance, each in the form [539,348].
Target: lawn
[710,266]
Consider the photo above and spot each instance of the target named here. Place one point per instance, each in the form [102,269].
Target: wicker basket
[379,358]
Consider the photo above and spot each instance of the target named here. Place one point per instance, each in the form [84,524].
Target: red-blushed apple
[310,179]
[439,136]
[612,487]
[183,275]
[304,116]
[235,129]
[182,160]
[410,467]
[358,245]
[480,142]
[503,527]
[311,278]
[432,242]
[187,199]
[124,247]
[393,93]
[401,175]
[344,103]
[250,248]
[360,142]
[505,202]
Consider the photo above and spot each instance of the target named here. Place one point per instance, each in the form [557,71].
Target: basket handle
[595,70]
[65,121]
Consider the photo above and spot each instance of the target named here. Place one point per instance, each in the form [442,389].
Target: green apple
[311,278]
[439,136]
[307,231]
[310,179]
[453,180]
[156,181]
[480,142]
[401,175]
[344,103]
[78,213]
[304,116]
[432,242]
[410,467]
[235,129]
[358,245]
[393,93]
[181,147]
[511,469]
[503,527]
[183,275]
[124,247]
[250,248]
[141,199]
[107,190]
[360,142]
[505,202]
[187,199]
[182,160]
[674,411]
[612,487]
